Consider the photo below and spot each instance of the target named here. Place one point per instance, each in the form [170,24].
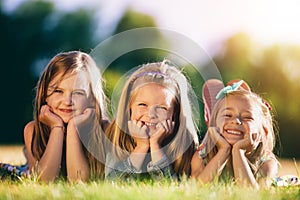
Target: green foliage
[273,72]
[75,30]
[37,31]
[32,32]
[132,19]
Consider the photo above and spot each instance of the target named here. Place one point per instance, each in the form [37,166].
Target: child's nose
[68,100]
[152,112]
[237,120]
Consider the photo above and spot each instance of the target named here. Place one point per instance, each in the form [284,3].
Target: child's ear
[266,131]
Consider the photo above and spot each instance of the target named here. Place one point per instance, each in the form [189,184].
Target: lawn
[29,189]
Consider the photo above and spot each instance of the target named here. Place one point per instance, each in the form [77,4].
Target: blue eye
[79,93]
[162,107]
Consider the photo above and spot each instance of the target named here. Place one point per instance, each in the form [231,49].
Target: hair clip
[228,89]
[152,73]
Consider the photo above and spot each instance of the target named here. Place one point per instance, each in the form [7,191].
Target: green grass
[30,189]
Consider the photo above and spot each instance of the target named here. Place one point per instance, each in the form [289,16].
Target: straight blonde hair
[181,145]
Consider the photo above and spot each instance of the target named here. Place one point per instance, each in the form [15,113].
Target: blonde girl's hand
[249,143]
[82,122]
[139,132]
[49,118]
[163,130]
[218,139]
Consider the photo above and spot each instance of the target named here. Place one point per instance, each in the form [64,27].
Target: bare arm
[77,163]
[164,129]
[214,168]
[28,134]
[216,165]
[139,132]
[242,171]
[268,170]
[48,167]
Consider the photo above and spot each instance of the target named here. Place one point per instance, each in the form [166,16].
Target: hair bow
[228,89]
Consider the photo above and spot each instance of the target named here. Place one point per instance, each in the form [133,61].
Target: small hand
[163,130]
[139,132]
[49,118]
[218,139]
[249,143]
[83,122]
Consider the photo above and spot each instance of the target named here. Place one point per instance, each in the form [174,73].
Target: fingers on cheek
[161,128]
[139,124]
[144,128]
[254,137]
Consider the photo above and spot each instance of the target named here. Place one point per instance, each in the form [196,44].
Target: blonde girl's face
[151,104]
[239,118]
[70,97]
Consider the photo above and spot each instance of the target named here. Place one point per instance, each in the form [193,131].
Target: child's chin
[152,129]
[66,120]
[232,142]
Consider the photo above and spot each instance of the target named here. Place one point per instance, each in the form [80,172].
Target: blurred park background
[252,40]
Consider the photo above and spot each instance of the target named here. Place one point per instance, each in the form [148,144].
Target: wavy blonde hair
[267,124]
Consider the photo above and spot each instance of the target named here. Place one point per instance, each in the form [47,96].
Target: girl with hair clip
[240,140]
[70,109]
[153,132]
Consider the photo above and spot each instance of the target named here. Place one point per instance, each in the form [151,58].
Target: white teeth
[150,124]
[234,132]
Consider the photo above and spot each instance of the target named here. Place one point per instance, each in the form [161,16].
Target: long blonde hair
[66,63]
[267,124]
[182,144]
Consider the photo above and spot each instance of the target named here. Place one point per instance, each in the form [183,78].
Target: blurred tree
[75,30]
[276,81]
[21,41]
[32,32]
[131,20]
[234,60]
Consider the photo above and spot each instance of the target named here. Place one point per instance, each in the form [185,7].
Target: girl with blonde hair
[154,131]
[240,140]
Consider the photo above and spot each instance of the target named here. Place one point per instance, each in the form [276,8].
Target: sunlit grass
[29,189]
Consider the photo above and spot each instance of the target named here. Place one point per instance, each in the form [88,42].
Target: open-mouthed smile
[233,132]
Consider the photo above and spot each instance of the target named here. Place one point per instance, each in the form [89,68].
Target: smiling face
[152,103]
[237,116]
[70,97]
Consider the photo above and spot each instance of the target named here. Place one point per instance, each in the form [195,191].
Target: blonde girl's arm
[78,168]
[242,170]
[268,170]
[48,167]
[138,131]
[164,130]
[213,168]
[207,173]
